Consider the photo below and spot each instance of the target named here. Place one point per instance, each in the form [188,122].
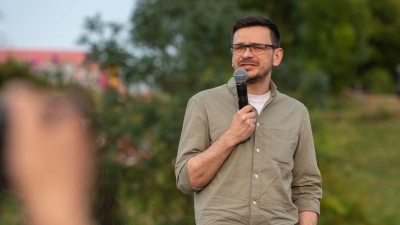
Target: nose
[248,53]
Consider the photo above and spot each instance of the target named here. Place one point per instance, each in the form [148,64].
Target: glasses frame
[249,46]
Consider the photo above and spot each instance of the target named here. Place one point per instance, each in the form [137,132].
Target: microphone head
[240,75]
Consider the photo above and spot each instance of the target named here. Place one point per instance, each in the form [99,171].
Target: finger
[246,109]
[248,116]
[253,121]
[252,114]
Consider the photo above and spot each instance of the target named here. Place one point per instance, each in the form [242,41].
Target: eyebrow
[242,43]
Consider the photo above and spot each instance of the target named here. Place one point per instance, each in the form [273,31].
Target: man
[273,177]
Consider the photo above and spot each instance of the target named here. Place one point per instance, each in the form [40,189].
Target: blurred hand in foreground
[50,154]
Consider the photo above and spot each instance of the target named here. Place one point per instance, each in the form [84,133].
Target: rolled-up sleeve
[307,183]
[194,139]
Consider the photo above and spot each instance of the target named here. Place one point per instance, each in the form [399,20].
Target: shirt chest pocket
[283,145]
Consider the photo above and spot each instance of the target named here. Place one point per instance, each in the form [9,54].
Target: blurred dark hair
[251,21]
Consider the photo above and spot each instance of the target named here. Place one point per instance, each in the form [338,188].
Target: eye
[238,47]
[257,47]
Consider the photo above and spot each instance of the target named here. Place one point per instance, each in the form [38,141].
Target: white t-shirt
[258,101]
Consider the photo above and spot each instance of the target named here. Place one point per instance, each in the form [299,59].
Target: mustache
[248,61]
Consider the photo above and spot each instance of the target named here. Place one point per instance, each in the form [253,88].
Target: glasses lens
[237,49]
[257,47]
[254,48]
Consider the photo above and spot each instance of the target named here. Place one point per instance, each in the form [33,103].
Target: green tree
[378,73]
[333,38]
[184,44]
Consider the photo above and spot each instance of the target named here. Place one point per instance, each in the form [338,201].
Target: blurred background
[141,64]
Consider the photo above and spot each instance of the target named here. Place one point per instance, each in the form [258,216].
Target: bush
[378,80]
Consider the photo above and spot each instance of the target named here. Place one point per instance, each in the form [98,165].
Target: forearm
[202,167]
[308,218]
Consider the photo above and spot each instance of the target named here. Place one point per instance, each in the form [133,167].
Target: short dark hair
[251,21]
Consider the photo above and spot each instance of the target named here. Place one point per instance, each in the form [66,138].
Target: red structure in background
[72,64]
[75,67]
[38,58]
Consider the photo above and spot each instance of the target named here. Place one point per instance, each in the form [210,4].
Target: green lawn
[358,150]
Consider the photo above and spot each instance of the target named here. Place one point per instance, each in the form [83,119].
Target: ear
[277,56]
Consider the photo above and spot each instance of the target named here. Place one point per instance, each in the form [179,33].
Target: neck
[259,88]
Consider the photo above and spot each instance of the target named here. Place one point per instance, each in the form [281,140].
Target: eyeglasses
[254,48]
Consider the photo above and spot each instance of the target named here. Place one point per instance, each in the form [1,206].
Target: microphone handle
[242,94]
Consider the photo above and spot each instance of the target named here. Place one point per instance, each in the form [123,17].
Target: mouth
[247,64]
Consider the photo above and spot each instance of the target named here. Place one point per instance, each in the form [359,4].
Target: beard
[258,77]
[261,75]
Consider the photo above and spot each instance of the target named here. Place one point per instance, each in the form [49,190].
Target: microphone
[240,76]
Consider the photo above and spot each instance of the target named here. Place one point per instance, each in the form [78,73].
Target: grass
[358,151]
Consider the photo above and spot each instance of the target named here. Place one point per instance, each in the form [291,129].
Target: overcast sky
[54,24]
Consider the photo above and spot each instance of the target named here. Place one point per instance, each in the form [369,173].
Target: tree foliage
[183,44]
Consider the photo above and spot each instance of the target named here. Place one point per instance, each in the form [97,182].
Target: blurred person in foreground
[49,154]
[273,177]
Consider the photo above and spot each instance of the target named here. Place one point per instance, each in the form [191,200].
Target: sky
[54,24]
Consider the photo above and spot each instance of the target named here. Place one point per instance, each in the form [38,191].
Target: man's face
[257,64]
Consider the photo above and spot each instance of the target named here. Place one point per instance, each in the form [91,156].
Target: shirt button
[258,150]
[254,203]
[256,176]
[258,124]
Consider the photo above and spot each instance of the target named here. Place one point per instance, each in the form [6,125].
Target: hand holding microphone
[245,119]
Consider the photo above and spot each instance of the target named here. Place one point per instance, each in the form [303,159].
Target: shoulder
[210,94]
[287,101]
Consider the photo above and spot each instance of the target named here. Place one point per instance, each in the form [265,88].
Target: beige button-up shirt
[268,179]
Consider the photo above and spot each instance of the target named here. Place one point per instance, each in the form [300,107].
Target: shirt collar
[232,87]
